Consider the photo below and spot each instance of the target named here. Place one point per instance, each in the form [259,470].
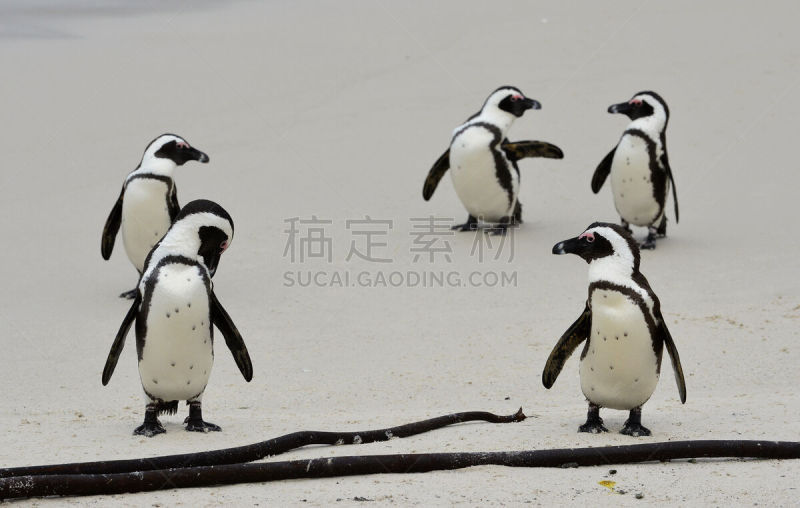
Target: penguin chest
[619,368]
[177,348]
[145,217]
[474,171]
[632,182]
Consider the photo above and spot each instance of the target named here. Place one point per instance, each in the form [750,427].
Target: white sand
[338,110]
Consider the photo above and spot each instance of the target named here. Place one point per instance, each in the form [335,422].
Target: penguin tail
[169,408]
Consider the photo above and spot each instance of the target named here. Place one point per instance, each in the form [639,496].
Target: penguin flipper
[672,181]
[223,322]
[436,173]
[173,205]
[111,227]
[119,340]
[572,338]
[522,149]
[673,355]
[602,171]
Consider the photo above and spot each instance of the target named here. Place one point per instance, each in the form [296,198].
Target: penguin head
[604,245]
[173,149]
[509,100]
[202,230]
[648,105]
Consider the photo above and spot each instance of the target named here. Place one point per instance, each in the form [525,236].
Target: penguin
[148,202]
[483,162]
[622,325]
[639,167]
[175,310]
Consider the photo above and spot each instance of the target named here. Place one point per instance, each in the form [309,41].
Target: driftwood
[21,486]
[249,453]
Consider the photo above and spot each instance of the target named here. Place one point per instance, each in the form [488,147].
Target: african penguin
[148,202]
[622,325]
[175,309]
[639,167]
[483,162]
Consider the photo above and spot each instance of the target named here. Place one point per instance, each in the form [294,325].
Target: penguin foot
[649,243]
[593,427]
[201,426]
[594,424]
[130,295]
[194,422]
[635,430]
[470,225]
[633,425]
[149,429]
[151,425]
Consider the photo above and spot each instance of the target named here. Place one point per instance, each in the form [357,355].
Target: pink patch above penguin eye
[223,245]
[588,236]
[636,102]
[516,97]
[181,144]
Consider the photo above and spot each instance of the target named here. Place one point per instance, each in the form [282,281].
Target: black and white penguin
[148,202]
[622,325]
[175,310]
[483,163]
[639,167]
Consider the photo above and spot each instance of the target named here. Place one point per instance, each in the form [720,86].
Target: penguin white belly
[472,169]
[145,218]
[178,353]
[620,368]
[631,182]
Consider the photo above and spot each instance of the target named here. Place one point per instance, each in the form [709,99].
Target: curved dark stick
[84,485]
[258,451]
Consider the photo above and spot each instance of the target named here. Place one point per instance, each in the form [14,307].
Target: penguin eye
[223,246]
[516,97]
[181,144]
[636,102]
[589,237]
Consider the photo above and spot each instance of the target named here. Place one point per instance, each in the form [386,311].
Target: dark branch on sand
[258,451]
[229,474]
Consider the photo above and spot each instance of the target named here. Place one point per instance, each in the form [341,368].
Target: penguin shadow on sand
[483,162]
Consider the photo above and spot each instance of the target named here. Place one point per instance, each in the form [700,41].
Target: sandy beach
[318,115]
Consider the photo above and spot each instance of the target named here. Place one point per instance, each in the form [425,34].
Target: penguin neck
[496,116]
[158,166]
[652,125]
[615,268]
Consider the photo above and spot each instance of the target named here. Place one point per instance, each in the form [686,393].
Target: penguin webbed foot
[649,242]
[151,425]
[149,429]
[129,295]
[593,427]
[594,424]
[194,422]
[201,426]
[470,225]
[633,425]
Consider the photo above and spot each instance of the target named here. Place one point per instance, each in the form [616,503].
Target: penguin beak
[571,246]
[531,103]
[196,155]
[622,107]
